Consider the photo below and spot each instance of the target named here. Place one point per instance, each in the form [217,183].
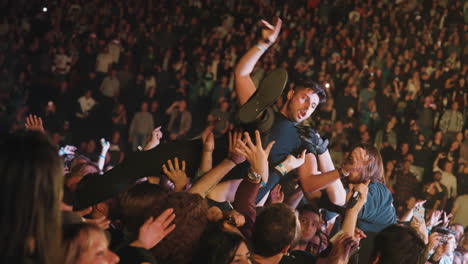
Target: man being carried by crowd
[282,126]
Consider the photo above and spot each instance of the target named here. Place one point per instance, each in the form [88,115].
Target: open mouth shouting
[302,114]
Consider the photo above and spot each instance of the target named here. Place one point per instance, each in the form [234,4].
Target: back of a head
[30,190]
[275,228]
[190,219]
[217,246]
[398,244]
[136,204]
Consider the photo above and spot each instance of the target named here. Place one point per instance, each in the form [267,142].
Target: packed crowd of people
[209,131]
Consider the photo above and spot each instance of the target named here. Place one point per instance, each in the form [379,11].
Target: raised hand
[358,160]
[155,139]
[291,162]
[34,123]
[420,226]
[208,139]
[447,219]
[341,250]
[234,218]
[234,137]
[105,145]
[102,222]
[443,249]
[313,140]
[276,195]
[435,218]
[255,154]
[67,150]
[359,234]
[155,230]
[270,33]
[363,190]
[176,173]
[434,241]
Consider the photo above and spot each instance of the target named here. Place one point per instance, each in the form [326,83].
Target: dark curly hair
[190,219]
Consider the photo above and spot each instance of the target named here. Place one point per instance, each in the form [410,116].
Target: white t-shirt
[86,104]
[110,87]
[103,61]
[150,82]
[114,50]
[62,63]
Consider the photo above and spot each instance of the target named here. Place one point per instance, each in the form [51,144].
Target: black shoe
[269,90]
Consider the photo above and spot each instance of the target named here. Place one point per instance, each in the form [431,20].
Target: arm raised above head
[245,87]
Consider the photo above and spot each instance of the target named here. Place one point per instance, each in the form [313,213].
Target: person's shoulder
[378,187]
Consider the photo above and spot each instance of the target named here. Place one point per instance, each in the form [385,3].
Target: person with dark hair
[180,120]
[30,191]
[223,247]
[275,229]
[136,202]
[191,212]
[282,126]
[310,224]
[398,244]
[87,243]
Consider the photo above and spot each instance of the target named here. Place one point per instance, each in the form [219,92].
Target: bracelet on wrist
[102,156]
[229,158]
[342,174]
[282,169]
[260,47]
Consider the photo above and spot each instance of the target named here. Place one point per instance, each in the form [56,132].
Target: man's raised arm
[245,87]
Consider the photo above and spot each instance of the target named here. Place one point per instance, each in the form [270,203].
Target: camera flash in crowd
[44,9]
[327,85]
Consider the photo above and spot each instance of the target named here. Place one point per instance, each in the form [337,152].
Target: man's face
[448,167]
[301,104]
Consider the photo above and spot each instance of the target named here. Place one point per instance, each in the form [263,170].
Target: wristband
[260,47]
[342,175]
[102,156]
[229,158]
[282,169]
[62,151]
